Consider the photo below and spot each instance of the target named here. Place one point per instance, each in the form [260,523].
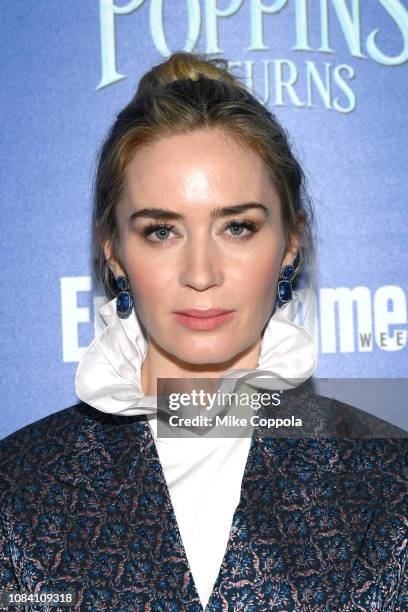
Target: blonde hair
[184,93]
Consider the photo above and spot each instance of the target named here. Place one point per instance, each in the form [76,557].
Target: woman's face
[182,248]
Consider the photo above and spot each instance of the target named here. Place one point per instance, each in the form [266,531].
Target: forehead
[204,168]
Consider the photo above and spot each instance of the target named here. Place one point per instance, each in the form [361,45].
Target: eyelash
[240,223]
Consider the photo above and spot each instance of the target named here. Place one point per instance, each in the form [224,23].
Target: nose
[201,266]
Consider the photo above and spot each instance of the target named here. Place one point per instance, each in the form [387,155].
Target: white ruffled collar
[108,376]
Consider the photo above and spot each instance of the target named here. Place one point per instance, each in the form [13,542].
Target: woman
[201,224]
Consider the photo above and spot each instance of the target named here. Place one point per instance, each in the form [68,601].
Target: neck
[159,364]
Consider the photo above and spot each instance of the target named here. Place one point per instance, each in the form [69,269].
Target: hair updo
[184,93]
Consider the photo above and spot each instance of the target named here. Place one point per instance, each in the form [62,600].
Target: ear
[114,265]
[294,241]
[290,253]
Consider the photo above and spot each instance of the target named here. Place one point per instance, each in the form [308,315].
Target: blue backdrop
[335,74]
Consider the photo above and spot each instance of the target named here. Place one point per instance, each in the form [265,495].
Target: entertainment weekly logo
[308,28]
[342,319]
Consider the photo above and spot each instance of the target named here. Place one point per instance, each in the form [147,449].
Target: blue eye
[239,226]
[162,233]
[160,229]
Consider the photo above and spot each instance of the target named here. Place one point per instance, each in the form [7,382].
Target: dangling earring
[284,284]
[124,301]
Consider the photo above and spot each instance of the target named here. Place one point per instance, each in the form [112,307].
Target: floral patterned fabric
[322,522]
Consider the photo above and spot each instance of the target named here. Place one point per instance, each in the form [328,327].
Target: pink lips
[204,319]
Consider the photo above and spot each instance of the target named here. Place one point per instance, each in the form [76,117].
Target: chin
[206,355]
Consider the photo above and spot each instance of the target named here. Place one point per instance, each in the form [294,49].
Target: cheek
[148,283]
[260,291]
[269,270]
[257,275]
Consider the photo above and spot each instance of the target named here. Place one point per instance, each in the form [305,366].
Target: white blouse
[204,478]
[203,475]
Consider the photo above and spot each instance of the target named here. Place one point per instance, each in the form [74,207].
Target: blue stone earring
[124,301]
[284,284]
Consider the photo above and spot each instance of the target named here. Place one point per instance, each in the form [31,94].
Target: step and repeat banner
[335,74]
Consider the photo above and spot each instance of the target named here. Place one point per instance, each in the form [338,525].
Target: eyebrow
[165,213]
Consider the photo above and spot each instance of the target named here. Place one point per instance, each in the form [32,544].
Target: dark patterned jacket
[322,522]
